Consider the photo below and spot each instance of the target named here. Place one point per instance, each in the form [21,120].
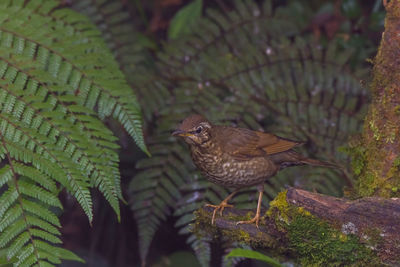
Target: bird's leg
[256,218]
[224,204]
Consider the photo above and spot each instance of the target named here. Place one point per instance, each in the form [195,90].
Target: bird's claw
[256,220]
[219,207]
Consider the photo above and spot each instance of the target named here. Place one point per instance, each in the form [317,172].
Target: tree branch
[374,221]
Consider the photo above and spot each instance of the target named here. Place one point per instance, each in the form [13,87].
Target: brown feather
[244,143]
[192,121]
[292,158]
[239,143]
[273,144]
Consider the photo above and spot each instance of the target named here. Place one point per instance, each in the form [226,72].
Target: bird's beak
[181,133]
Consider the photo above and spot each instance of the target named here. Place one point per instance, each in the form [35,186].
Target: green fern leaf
[185,19]
[18,244]
[38,193]
[5,175]
[58,83]
[127,44]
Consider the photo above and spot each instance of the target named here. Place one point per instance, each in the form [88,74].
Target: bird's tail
[315,162]
[292,158]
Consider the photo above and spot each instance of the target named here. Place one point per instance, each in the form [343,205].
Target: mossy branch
[317,227]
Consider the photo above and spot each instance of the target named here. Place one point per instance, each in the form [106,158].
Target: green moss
[358,159]
[202,224]
[202,227]
[366,160]
[357,153]
[368,185]
[241,236]
[375,129]
[397,110]
[315,242]
[237,235]
[279,203]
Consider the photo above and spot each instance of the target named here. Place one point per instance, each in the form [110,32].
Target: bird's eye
[199,129]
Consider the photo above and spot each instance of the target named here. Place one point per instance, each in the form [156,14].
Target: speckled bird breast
[221,168]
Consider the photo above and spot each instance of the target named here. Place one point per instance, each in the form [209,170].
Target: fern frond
[87,66]
[35,176]
[23,141]
[119,31]
[152,207]
[185,211]
[37,66]
[23,239]
[5,175]
[202,249]
[129,47]
[30,189]
[58,83]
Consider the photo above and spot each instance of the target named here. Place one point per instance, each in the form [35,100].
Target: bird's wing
[243,143]
[273,144]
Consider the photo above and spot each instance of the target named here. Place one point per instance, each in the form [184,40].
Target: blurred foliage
[251,254]
[185,19]
[288,67]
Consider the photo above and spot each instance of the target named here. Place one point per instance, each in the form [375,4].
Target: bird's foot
[256,220]
[219,208]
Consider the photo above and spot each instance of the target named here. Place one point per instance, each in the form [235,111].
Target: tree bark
[379,153]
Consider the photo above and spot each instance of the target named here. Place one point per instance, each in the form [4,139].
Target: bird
[238,157]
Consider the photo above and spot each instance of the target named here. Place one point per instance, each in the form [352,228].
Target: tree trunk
[378,156]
